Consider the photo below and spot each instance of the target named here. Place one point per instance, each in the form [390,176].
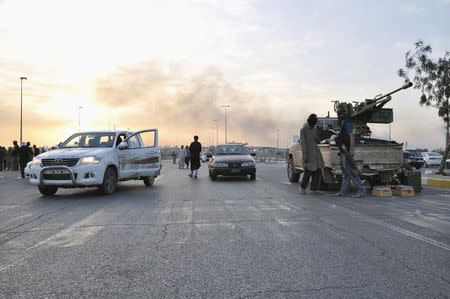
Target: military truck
[377,160]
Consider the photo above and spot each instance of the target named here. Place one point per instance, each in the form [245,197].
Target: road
[233,238]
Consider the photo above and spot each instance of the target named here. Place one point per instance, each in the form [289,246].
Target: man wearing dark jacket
[36,150]
[195,149]
[2,158]
[15,156]
[24,158]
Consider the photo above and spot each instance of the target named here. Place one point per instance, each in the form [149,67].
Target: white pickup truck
[98,159]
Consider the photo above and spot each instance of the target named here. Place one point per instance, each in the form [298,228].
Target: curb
[440,183]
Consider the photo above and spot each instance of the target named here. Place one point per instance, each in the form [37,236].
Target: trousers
[315,179]
[349,175]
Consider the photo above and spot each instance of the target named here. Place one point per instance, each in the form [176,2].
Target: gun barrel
[405,86]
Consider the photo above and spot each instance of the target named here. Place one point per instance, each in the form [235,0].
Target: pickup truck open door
[140,155]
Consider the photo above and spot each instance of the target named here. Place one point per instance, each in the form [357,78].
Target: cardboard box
[382,191]
[402,190]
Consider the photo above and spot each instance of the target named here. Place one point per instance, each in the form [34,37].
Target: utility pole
[21,122]
[226,133]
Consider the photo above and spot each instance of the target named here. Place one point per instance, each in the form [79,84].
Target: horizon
[172,65]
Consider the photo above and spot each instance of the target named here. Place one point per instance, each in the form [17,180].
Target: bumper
[233,171]
[63,176]
[417,164]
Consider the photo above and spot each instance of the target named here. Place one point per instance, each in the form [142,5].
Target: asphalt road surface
[233,238]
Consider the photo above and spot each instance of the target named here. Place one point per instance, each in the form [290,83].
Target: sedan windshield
[231,150]
[89,140]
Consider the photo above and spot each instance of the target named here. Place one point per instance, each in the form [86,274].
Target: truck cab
[98,159]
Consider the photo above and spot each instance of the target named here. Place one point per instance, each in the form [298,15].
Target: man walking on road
[312,157]
[195,149]
[346,143]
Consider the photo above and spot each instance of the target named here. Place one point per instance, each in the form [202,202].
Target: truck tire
[292,175]
[148,181]
[48,190]
[109,184]
[253,176]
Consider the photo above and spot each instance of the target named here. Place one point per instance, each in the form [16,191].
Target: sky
[173,65]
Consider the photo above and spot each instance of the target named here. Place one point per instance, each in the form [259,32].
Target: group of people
[17,156]
[189,155]
[313,160]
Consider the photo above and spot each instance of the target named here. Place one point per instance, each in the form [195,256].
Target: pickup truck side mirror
[253,154]
[123,145]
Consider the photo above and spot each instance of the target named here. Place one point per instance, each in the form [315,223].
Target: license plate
[235,170]
[56,171]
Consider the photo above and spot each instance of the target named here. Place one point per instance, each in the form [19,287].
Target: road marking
[394,228]
[75,235]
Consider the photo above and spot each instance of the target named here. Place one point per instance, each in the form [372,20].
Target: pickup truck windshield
[89,140]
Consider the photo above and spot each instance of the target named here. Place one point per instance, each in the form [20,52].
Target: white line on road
[394,228]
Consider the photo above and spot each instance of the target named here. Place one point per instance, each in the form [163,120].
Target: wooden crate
[382,191]
[402,190]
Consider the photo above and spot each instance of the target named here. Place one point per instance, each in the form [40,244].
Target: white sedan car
[432,158]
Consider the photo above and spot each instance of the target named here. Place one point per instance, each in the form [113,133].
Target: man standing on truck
[312,157]
[346,143]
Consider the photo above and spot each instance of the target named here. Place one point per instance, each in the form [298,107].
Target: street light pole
[21,79]
[79,118]
[217,132]
[226,133]
[276,154]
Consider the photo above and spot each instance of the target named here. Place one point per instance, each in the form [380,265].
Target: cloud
[185,105]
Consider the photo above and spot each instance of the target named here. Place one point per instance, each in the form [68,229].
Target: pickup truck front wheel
[292,175]
[48,190]
[148,181]
[109,184]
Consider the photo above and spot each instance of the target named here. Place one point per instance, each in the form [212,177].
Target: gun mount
[368,111]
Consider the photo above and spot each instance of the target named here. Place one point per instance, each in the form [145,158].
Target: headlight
[216,164]
[247,164]
[89,160]
[36,161]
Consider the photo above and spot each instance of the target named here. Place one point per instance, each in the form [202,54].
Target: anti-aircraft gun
[368,111]
[378,160]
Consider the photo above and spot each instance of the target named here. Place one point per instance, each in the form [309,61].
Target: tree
[432,78]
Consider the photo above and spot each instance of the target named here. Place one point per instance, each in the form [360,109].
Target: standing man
[188,158]
[312,157]
[346,143]
[195,148]
[24,158]
[15,156]
[174,157]
[2,158]
[181,156]
[36,150]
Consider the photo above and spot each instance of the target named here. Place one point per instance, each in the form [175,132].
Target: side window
[147,138]
[120,138]
[133,142]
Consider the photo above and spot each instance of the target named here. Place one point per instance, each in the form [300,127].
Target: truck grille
[57,177]
[70,162]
